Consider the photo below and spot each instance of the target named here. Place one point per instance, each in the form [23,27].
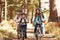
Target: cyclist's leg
[35,28]
[36,31]
[18,34]
[40,30]
[43,29]
[25,33]
[20,29]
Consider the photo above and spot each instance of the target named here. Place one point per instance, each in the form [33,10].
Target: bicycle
[21,34]
[38,31]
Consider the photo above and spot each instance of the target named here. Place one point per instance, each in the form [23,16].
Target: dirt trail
[39,39]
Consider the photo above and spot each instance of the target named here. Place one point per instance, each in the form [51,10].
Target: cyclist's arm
[44,19]
[33,20]
[27,21]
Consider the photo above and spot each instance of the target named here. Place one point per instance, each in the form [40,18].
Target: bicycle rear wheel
[40,34]
[36,34]
[22,38]
[18,36]
[22,35]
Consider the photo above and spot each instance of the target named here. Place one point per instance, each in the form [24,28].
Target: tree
[53,11]
[0,10]
[39,3]
[5,10]
[13,5]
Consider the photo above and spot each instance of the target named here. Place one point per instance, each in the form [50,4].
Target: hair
[38,14]
[24,14]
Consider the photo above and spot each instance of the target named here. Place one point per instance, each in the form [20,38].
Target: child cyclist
[39,17]
[23,24]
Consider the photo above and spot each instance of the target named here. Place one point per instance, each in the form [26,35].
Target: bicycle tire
[36,35]
[22,35]
[38,31]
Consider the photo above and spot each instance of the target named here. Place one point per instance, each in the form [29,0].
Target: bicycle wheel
[22,35]
[36,35]
[40,34]
[18,35]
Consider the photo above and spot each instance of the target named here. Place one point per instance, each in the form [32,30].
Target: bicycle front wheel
[36,35]
[22,36]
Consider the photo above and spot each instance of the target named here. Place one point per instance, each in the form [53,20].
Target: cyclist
[17,19]
[23,22]
[39,17]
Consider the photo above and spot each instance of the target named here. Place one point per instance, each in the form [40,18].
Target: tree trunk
[5,10]
[0,10]
[58,8]
[11,14]
[53,11]
[39,3]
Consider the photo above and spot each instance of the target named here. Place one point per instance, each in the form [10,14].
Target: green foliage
[14,5]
